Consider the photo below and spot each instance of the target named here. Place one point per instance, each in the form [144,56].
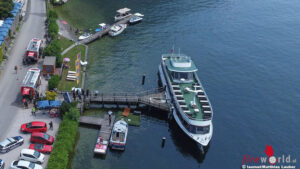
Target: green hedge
[64,145]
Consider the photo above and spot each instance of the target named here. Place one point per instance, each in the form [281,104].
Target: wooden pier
[102,123]
[104,32]
[155,98]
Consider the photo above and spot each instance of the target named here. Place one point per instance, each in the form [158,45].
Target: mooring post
[163,141]
[143,79]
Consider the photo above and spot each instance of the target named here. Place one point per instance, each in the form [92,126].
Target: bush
[52,14]
[74,113]
[51,95]
[53,82]
[53,28]
[65,107]
[64,145]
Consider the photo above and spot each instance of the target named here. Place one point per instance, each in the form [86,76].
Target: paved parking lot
[24,116]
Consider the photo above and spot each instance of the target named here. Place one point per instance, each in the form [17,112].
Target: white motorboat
[122,13]
[84,36]
[101,146]
[135,19]
[102,26]
[119,135]
[117,29]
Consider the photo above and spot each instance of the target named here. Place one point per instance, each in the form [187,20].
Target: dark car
[39,137]
[10,143]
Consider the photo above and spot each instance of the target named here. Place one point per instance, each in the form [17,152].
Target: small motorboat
[119,135]
[122,13]
[102,26]
[135,19]
[117,29]
[101,146]
[84,36]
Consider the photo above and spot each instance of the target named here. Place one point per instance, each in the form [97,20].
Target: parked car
[11,143]
[43,148]
[35,126]
[21,164]
[1,164]
[39,137]
[32,156]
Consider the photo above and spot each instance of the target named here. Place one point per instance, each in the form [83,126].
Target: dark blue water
[247,53]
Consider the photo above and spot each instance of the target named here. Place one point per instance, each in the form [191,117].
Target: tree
[53,82]
[5,7]
[74,113]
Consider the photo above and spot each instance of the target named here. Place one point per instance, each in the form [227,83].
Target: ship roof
[180,63]
[123,10]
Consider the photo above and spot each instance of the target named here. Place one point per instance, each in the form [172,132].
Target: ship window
[199,129]
[182,75]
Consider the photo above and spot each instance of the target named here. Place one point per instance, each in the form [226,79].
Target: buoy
[163,141]
[143,79]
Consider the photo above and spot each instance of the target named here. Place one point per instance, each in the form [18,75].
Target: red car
[35,126]
[42,148]
[39,137]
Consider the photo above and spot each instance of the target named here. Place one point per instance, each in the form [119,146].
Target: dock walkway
[97,35]
[155,98]
[103,123]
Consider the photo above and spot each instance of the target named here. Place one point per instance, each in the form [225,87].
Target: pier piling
[163,141]
[143,79]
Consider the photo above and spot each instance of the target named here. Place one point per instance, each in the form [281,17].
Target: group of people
[80,93]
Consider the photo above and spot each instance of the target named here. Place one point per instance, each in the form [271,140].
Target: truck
[33,51]
[31,83]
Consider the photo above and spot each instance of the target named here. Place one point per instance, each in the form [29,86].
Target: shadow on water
[186,145]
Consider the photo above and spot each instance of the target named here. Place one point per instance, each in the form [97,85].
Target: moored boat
[122,13]
[135,19]
[101,146]
[84,36]
[101,27]
[117,29]
[119,135]
[191,110]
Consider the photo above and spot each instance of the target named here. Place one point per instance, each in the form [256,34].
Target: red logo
[269,151]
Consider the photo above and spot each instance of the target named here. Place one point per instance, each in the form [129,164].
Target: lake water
[247,53]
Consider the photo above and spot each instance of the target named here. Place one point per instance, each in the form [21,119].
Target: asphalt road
[10,82]
[12,113]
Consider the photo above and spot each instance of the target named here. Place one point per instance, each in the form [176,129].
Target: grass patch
[65,43]
[66,85]
[135,120]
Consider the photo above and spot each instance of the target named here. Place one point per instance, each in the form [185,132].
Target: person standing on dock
[109,117]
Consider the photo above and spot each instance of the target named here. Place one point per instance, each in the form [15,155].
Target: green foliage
[54,49]
[135,120]
[74,114]
[5,7]
[53,82]
[51,95]
[52,14]
[64,145]
[53,28]
[65,107]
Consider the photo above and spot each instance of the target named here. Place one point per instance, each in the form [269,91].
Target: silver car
[11,143]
